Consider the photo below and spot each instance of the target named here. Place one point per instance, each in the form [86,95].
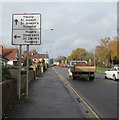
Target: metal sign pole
[19,76]
[27,79]
[22,35]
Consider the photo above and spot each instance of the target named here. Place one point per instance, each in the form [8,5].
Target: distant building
[1,49]
[38,57]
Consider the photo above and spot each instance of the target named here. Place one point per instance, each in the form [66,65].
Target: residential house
[9,56]
[3,60]
[24,57]
[38,57]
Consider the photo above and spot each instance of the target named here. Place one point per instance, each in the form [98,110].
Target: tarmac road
[100,94]
[48,98]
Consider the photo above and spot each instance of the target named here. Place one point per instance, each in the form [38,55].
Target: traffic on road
[113,73]
[60,62]
[100,94]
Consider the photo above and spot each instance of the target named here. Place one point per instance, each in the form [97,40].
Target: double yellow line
[92,111]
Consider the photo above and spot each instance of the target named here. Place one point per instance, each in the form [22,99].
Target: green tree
[78,54]
[90,57]
[33,52]
[107,51]
[42,61]
[103,50]
[114,51]
[51,61]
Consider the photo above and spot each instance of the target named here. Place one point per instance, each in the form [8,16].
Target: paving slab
[48,98]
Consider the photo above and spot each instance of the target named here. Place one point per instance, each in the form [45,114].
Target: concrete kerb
[84,107]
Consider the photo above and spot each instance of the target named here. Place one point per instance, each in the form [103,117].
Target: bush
[5,74]
[42,61]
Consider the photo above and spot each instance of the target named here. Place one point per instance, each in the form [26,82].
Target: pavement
[48,98]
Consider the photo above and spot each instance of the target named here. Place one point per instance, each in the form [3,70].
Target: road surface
[100,94]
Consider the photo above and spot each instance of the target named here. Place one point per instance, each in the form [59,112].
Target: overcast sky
[75,24]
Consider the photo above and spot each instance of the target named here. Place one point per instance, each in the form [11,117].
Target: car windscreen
[74,63]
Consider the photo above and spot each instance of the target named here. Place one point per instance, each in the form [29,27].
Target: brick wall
[9,91]
[9,87]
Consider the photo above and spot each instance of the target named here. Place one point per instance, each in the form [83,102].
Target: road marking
[94,113]
[68,83]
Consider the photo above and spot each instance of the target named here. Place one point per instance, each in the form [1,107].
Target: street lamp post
[94,58]
[46,36]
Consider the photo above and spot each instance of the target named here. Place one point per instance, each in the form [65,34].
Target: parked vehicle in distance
[55,63]
[63,65]
[113,73]
[51,65]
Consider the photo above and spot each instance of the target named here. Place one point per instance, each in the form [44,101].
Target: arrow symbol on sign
[16,36]
[16,21]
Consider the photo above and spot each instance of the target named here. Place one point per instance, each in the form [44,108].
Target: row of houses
[9,56]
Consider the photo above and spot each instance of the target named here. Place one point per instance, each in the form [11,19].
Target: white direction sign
[26,29]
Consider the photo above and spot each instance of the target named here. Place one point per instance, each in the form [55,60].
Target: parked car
[113,73]
[51,65]
[63,65]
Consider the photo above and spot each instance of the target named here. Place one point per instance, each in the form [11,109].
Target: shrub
[42,61]
[5,74]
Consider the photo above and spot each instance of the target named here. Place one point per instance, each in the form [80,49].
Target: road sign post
[27,79]
[26,30]
[19,76]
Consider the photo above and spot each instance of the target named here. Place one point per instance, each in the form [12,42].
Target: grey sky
[75,24]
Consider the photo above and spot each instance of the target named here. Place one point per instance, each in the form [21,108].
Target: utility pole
[19,76]
[27,79]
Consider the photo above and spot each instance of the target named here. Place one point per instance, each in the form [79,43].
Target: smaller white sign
[26,37]
[26,29]
[26,21]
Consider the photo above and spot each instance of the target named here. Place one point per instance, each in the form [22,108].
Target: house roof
[24,56]
[3,58]
[40,56]
[10,53]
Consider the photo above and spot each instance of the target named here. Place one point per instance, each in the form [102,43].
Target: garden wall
[9,87]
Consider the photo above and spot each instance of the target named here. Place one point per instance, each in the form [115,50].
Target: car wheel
[91,78]
[106,77]
[74,78]
[114,77]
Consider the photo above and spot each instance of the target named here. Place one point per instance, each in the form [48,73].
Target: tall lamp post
[46,36]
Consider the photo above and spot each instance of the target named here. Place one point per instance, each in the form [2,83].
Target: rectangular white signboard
[26,29]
